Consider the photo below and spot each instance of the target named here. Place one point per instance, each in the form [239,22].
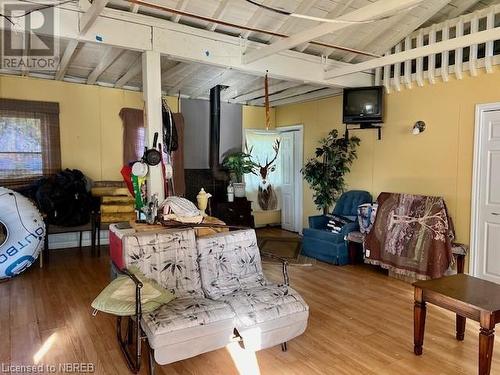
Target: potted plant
[325,172]
[238,164]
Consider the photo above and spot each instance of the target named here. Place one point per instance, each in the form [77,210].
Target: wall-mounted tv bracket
[363,126]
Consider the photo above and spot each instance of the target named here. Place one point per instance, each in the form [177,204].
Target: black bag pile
[64,198]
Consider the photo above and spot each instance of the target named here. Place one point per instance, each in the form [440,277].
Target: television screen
[363,105]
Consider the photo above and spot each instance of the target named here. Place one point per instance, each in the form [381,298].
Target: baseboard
[70,240]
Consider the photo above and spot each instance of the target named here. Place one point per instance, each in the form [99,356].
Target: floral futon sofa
[221,294]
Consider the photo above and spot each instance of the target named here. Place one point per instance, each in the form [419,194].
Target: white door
[288,181]
[487,264]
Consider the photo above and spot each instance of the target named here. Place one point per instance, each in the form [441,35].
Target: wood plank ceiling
[91,63]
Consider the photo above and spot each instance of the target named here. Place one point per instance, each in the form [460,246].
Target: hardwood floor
[361,322]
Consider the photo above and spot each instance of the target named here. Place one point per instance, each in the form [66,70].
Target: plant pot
[239,189]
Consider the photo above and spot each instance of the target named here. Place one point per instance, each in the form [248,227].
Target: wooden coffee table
[468,297]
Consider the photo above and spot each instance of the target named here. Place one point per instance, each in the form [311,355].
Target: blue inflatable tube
[24,233]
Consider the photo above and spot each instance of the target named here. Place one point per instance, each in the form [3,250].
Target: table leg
[460,263]
[419,311]
[352,252]
[460,327]
[486,340]
[92,233]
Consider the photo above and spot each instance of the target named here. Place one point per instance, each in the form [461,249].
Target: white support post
[474,28]
[431,69]
[459,52]
[408,81]
[488,57]
[397,70]
[151,84]
[378,76]
[445,56]
[420,60]
[387,76]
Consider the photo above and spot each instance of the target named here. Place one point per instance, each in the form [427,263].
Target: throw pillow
[118,298]
[366,216]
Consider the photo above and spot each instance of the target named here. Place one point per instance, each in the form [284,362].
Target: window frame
[48,115]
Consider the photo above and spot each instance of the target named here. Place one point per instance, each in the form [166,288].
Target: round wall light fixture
[418,128]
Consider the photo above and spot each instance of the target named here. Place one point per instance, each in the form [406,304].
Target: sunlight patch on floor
[44,349]
[245,360]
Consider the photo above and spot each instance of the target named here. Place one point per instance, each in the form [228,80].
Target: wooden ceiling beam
[218,79]
[66,59]
[288,93]
[244,85]
[109,57]
[461,7]
[261,92]
[337,11]
[389,38]
[219,12]
[314,95]
[445,45]
[133,71]
[180,6]
[380,8]
[90,16]
[181,82]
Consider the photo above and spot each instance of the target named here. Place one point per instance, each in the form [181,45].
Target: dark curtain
[133,134]
[29,141]
[178,157]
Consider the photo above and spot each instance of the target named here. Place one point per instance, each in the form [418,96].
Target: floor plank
[361,322]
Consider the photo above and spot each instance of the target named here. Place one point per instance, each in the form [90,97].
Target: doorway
[284,175]
[292,153]
[485,223]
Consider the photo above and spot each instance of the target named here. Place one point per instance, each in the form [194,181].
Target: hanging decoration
[266,96]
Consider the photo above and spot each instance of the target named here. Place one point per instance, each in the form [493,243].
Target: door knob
[496,213]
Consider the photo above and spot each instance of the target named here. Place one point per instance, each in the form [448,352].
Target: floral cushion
[185,313]
[229,262]
[169,258]
[264,303]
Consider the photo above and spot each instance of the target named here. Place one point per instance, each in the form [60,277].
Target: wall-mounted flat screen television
[363,105]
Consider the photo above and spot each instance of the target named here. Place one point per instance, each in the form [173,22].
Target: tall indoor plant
[325,172]
[238,164]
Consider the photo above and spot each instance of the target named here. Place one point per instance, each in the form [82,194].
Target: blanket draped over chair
[411,236]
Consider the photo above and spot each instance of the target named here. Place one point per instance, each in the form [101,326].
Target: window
[29,141]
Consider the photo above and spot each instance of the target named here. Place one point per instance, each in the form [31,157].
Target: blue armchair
[320,243]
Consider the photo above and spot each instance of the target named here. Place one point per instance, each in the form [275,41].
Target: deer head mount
[264,170]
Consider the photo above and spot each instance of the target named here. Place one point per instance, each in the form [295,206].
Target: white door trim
[299,185]
[476,172]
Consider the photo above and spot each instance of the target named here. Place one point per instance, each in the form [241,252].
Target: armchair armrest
[284,263]
[318,221]
[348,228]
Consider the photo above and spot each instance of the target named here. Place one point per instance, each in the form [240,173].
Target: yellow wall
[255,117]
[437,162]
[91,130]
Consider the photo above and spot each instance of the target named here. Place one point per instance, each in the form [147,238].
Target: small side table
[468,297]
[355,246]
[238,212]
